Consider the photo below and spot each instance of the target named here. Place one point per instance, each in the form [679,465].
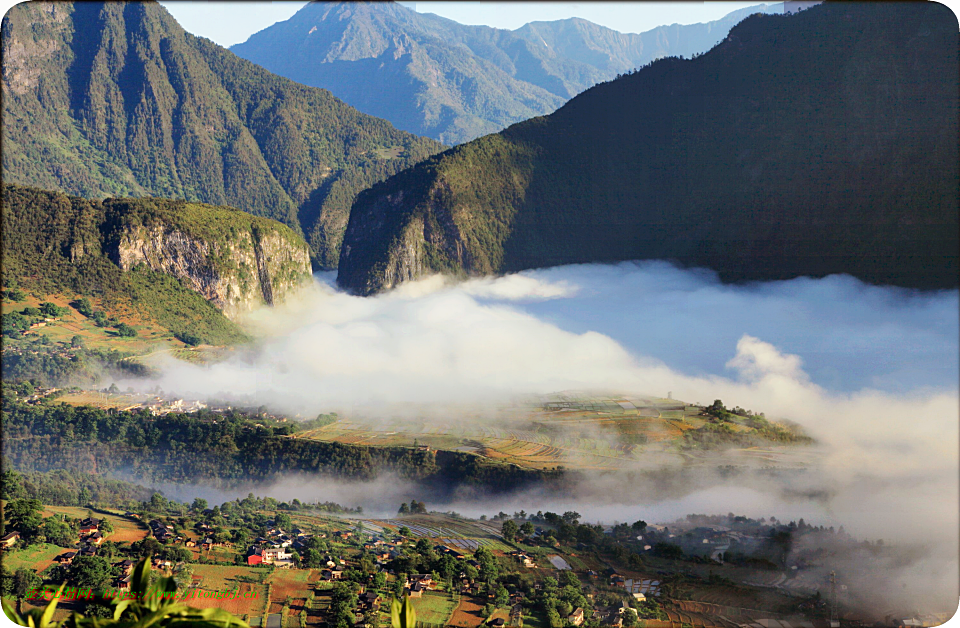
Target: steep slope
[808,144]
[111,99]
[182,263]
[453,82]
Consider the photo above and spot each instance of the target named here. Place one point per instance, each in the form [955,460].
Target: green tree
[199,505]
[58,532]
[509,530]
[501,597]
[90,571]
[24,580]
[283,521]
[50,310]
[24,516]
[84,307]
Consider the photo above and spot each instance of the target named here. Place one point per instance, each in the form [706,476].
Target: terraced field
[569,430]
[457,533]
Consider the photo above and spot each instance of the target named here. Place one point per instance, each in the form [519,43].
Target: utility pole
[834,621]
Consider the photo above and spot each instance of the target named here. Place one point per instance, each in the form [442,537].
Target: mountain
[808,144]
[452,82]
[187,267]
[116,99]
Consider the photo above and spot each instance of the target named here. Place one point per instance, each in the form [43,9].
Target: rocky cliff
[235,260]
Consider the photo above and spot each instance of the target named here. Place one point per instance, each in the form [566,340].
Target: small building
[576,617]
[255,556]
[66,558]
[10,539]
[417,589]
[370,600]
[516,615]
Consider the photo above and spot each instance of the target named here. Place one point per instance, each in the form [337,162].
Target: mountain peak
[451,81]
[137,106]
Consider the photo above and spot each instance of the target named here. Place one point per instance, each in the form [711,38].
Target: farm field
[227,577]
[250,600]
[124,529]
[569,430]
[292,583]
[468,613]
[456,533]
[434,607]
[149,334]
[36,557]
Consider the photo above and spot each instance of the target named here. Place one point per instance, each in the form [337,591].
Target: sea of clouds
[870,372]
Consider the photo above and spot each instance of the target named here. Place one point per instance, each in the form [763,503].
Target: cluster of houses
[607,616]
[277,547]
[417,583]
[525,559]
[163,532]
[90,538]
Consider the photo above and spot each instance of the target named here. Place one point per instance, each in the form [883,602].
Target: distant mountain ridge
[454,82]
[116,99]
[809,144]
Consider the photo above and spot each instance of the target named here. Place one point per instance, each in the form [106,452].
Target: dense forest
[808,144]
[225,449]
[136,106]
[60,487]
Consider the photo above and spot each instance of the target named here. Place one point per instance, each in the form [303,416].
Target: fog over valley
[877,384]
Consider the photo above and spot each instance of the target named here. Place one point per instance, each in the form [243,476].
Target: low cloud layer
[870,372]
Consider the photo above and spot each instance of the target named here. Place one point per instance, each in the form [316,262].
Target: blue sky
[229,23]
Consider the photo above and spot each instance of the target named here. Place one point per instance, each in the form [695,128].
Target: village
[295,565]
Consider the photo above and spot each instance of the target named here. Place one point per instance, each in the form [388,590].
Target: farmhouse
[9,540]
[89,526]
[417,589]
[66,558]
[255,557]
[576,617]
[423,578]
[516,615]
[370,600]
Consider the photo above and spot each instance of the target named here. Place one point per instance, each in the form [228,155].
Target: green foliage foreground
[149,604]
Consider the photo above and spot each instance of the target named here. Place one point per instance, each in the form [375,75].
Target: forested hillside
[116,99]
[59,244]
[455,82]
[226,449]
[809,144]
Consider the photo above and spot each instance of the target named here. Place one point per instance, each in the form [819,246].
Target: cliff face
[812,144]
[235,274]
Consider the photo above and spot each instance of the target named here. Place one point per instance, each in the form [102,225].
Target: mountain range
[454,82]
[808,144]
[116,99]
